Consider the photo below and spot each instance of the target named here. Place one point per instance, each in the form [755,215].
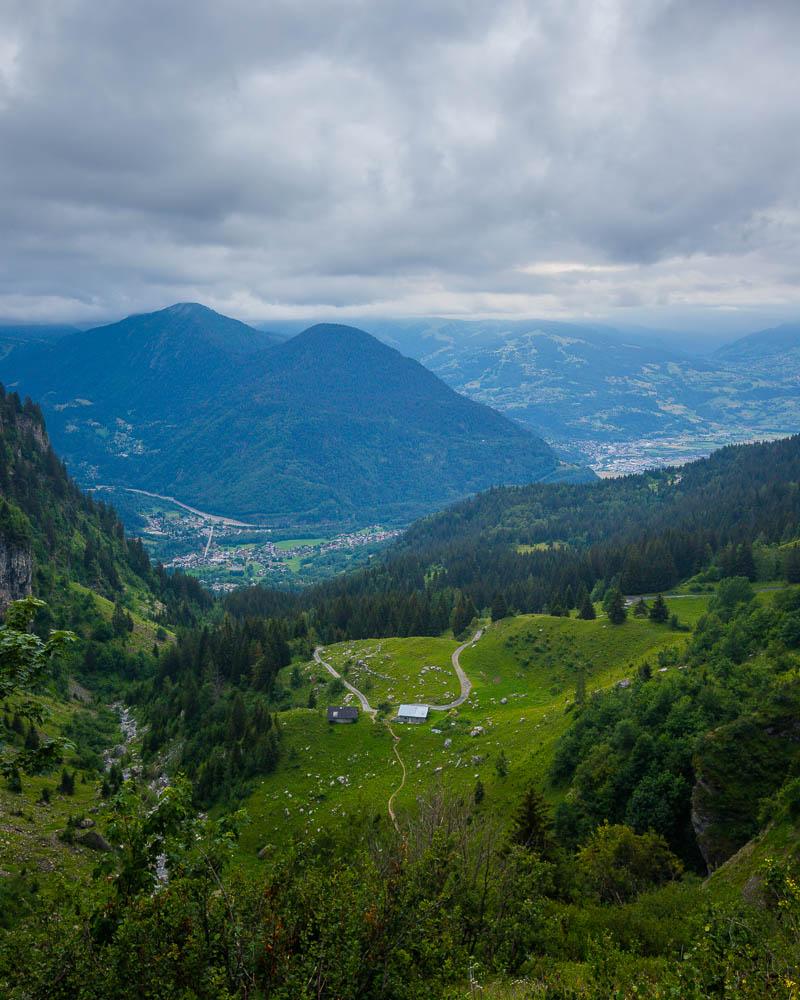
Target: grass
[294,543]
[29,829]
[523,671]
[145,632]
[398,670]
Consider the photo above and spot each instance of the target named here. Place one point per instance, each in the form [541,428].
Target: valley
[225,553]
[616,764]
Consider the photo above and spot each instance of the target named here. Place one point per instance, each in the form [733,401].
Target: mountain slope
[776,350]
[154,362]
[586,384]
[330,427]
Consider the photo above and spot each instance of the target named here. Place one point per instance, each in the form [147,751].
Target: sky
[636,161]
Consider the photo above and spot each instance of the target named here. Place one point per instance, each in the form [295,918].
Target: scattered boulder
[504,701]
[95,841]
[477,731]
[85,824]
[448,743]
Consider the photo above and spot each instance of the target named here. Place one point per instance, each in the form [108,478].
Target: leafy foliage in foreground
[406,916]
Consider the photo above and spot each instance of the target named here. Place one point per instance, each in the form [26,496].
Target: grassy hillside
[523,672]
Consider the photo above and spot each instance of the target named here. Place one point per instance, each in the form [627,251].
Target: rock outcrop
[16,572]
[737,765]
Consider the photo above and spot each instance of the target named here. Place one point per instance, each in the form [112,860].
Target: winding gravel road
[464,681]
[365,705]
[466,687]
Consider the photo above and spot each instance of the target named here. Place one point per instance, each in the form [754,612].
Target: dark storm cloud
[387,156]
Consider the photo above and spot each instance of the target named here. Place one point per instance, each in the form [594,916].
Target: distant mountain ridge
[332,426]
[775,350]
[574,382]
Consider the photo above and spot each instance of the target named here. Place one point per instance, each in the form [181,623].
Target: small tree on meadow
[617,612]
[659,612]
[586,610]
[640,609]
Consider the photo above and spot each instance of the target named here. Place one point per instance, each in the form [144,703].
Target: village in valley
[225,554]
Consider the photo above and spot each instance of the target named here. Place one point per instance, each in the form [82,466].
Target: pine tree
[640,608]
[499,608]
[617,612]
[463,613]
[479,792]
[587,611]
[312,699]
[791,564]
[532,824]
[745,564]
[501,764]
[237,719]
[659,612]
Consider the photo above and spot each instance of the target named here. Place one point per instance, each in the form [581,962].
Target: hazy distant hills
[331,426]
[576,382]
[775,351]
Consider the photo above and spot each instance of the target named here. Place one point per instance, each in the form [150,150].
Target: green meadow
[524,673]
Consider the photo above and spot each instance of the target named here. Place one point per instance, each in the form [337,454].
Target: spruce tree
[532,824]
[587,611]
[499,607]
[617,612]
[640,609]
[791,564]
[479,792]
[659,612]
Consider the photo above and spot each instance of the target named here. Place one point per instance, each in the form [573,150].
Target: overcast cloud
[618,158]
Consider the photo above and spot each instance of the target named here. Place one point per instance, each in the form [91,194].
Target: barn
[342,713]
[412,713]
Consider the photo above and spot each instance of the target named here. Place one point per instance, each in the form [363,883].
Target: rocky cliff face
[16,572]
[736,766]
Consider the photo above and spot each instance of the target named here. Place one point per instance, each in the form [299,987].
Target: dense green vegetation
[549,835]
[640,534]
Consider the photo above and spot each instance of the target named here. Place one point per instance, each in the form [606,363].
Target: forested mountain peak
[330,427]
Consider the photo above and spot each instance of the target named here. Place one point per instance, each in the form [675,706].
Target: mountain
[49,529]
[775,351]
[13,336]
[330,427]
[593,389]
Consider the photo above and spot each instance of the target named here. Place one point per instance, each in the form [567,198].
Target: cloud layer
[602,157]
